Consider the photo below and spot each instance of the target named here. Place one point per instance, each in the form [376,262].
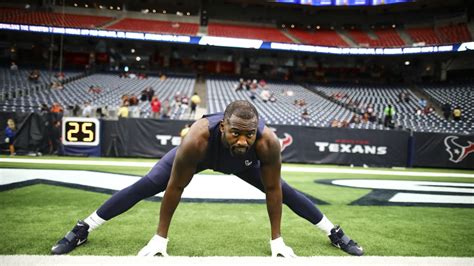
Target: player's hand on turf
[280,249]
[157,245]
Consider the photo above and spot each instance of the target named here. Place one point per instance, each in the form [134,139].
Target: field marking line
[260,261]
[295,169]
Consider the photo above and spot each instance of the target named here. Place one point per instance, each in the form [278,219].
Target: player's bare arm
[192,149]
[268,151]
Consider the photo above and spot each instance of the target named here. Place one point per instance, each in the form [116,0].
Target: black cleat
[71,240]
[342,241]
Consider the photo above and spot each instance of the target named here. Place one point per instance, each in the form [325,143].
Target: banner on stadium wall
[343,146]
[444,150]
[153,138]
[141,137]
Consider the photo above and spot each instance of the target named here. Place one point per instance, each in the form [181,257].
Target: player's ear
[221,126]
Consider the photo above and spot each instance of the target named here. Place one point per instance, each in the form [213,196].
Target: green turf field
[33,218]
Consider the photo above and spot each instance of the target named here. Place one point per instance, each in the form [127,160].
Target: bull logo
[457,152]
[286,141]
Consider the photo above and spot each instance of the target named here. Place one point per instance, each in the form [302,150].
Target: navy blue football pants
[157,180]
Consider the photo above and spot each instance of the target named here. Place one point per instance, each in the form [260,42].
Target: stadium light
[111,7]
[407,63]
[118,8]
[75,4]
[125,69]
[188,13]
[164,11]
[154,10]
[86,5]
[132,51]
[318,27]
[138,58]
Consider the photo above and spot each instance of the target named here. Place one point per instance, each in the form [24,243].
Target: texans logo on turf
[457,152]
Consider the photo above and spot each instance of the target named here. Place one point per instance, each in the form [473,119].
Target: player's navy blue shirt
[218,156]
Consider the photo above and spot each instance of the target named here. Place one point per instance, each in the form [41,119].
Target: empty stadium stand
[454,33]
[425,35]
[16,83]
[320,37]
[22,16]
[248,32]
[282,112]
[440,35]
[155,26]
[381,38]
[381,96]
[461,95]
[113,87]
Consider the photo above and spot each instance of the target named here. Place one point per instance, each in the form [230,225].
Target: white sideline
[284,168]
[260,261]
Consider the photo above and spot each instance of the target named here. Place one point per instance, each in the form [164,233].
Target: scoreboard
[80,131]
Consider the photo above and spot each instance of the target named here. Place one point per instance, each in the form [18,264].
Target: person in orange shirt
[56,111]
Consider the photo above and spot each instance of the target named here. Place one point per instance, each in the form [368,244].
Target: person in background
[55,138]
[13,68]
[87,110]
[155,107]
[34,75]
[422,102]
[389,112]
[457,113]
[195,101]
[56,111]
[305,114]
[75,110]
[265,95]
[10,134]
[446,110]
[166,110]
[123,110]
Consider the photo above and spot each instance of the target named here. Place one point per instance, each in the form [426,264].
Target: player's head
[239,127]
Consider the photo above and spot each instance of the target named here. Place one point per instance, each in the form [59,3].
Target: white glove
[7,140]
[157,245]
[279,249]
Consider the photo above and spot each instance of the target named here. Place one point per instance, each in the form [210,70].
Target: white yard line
[284,168]
[260,261]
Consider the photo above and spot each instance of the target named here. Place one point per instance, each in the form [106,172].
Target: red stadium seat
[248,32]
[426,35]
[22,16]
[155,26]
[320,37]
[385,38]
[455,33]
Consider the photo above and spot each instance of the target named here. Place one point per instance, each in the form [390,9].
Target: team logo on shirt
[248,162]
